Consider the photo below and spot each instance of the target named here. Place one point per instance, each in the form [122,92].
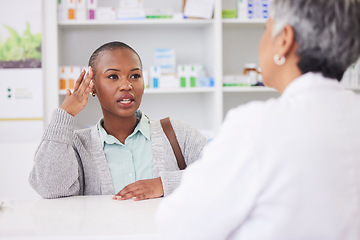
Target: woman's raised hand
[76,101]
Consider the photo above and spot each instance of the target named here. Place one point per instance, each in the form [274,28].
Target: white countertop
[81,217]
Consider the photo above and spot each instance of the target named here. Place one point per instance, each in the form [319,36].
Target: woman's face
[118,82]
[266,54]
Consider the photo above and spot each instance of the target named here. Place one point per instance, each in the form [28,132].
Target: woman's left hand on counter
[142,189]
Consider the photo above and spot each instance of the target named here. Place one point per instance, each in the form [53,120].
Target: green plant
[20,48]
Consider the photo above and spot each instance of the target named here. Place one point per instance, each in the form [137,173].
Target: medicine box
[164,58]
[91,9]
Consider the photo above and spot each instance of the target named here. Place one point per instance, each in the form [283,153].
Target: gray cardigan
[72,162]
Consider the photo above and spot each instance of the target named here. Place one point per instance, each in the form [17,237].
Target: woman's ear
[287,43]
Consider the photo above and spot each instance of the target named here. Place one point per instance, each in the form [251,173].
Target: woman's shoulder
[84,131]
[87,133]
[176,123]
[181,128]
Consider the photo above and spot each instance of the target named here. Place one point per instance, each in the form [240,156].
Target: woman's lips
[126,100]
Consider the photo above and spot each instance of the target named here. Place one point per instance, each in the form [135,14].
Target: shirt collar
[104,136]
[310,81]
[143,127]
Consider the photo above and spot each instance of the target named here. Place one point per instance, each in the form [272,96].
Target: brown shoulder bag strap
[170,134]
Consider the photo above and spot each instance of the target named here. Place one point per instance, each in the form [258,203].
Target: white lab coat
[284,169]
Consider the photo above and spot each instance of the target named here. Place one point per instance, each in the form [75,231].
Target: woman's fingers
[76,101]
[142,189]
[129,191]
[79,80]
[129,188]
[135,195]
[84,84]
[68,92]
[140,197]
[88,87]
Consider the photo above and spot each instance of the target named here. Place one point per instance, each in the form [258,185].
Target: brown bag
[170,134]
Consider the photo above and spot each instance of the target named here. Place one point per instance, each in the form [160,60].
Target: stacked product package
[166,74]
[125,10]
[253,9]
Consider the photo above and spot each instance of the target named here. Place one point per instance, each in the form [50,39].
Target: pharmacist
[287,168]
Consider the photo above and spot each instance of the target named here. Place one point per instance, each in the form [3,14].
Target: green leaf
[16,47]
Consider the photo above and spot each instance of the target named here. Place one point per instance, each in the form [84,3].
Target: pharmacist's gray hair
[108,47]
[327,32]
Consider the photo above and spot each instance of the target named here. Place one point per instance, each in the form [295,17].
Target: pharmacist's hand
[142,189]
[76,101]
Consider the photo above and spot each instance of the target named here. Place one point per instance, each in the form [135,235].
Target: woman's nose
[125,85]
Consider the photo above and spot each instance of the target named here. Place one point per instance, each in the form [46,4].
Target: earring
[279,60]
[93,94]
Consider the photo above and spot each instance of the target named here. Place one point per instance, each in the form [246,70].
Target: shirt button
[130,174]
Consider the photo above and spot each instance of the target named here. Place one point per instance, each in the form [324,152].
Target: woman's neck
[287,78]
[118,127]
[287,73]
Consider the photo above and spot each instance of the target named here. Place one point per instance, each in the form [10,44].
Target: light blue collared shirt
[131,161]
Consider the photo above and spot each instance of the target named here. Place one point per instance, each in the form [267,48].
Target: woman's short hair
[327,33]
[108,47]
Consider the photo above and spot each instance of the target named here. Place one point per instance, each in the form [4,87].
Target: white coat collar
[311,82]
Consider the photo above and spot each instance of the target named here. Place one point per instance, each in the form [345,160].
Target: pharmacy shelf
[147,22]
[248,89]
[170,90]
[229,21]
[179,90]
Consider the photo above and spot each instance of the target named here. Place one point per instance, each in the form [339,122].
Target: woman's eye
[135,76]
[113,76]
